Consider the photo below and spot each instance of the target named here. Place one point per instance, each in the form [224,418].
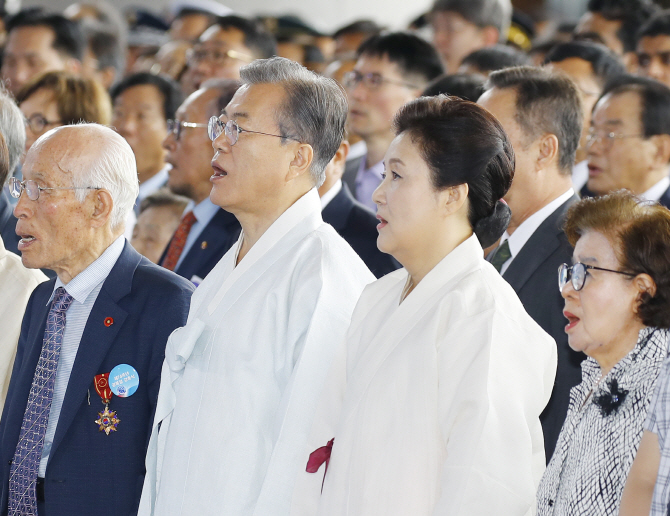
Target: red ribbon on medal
[318,457]
[101,382]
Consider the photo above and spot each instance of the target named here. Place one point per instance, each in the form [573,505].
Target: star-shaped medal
[108,420]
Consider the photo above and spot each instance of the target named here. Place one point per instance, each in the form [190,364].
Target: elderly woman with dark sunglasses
[617,304]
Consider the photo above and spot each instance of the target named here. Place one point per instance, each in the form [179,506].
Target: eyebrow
[396,160]
[586,260]
[236,115]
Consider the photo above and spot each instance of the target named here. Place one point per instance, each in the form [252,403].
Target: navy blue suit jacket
[533,274]
[358,226]
[8,224]
[88,471]
[212,243]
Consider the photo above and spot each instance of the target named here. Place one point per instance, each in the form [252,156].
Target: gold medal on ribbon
[107,420]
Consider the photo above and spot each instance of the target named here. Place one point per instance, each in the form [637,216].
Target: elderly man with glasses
[629,142]
[242,378]
[85,382]
[206,231]
[391,70]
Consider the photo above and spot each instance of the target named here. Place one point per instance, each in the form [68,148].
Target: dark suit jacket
[8,224]
[350,172]
[89,470]
[358,226]
[212,243]
[533,274]
[663,201]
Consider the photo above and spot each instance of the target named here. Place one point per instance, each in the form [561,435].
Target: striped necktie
[502,254]
[178,241]
[28,454]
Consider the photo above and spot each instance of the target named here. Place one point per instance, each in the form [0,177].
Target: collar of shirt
[519,238]
[154,182]
[656,191]
[330,194]
[580,175]
[357,150]
[83,283]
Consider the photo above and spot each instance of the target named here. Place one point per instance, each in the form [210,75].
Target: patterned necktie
[28,454]
[502,254]
[178,241]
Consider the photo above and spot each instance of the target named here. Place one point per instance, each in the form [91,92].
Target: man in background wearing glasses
[629,142]
[206,231]
[541,113]
[68,439]
[242,378]
[224,48]
[391,70]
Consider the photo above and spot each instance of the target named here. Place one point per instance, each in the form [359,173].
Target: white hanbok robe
[438,399]
[241,380]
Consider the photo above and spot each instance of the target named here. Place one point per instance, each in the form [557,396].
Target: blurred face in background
[455,37]
[41,112]
[154,229]
[653,57]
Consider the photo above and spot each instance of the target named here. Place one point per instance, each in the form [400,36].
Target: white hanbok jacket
[438,399]
[241,380]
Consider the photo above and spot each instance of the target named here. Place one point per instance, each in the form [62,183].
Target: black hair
[413,55]
[461,143]
[358,27]
[655,101]
[546,102]
[604,63]
[482,13]
[494,58]
[261,43]
[172,95]
[657,25]
[463,85]
[106,47]
[631,13]
[68,36]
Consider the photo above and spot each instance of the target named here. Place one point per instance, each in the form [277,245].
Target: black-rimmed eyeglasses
[577,274]
[174,127]
[233,131]
[33,190]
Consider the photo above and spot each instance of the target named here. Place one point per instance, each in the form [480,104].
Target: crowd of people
[250,268]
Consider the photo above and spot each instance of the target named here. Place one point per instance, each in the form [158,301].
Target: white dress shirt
[526,229]
[330,194]
[656,191]
[580,175]
[84,288]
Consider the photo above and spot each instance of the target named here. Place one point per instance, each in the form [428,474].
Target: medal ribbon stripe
[28,454]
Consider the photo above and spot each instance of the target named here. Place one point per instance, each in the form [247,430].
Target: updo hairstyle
[461,143]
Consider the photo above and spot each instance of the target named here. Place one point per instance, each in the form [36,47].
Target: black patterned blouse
[601,433]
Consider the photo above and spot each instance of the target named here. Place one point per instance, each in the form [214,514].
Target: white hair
[111,166]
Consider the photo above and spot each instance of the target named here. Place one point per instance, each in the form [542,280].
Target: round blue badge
[124,380]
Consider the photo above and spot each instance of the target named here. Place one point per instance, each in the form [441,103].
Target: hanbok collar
[306,209]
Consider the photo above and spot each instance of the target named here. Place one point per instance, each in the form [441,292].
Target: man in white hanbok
[241,380]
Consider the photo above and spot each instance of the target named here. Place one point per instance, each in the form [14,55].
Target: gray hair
[13,128]
[314,111]
[482,13]
[111,165]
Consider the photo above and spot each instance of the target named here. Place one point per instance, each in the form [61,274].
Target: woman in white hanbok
[434,401]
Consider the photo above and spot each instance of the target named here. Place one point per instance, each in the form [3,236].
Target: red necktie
[178,241]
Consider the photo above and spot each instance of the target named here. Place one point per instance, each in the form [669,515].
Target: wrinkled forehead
[62,153]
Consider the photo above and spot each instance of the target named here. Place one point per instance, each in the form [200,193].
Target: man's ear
[73,65]
[662,156]
[490,36]
[302,160]
[102,208]
[548,150]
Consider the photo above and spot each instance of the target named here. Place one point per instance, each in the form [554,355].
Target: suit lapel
[97,338]
[542,243]
[665,199]
[337,211]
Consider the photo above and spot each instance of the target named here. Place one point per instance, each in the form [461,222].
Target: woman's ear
[455,197]
[644,284]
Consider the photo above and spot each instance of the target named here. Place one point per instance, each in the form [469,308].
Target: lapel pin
[203,245]
[109,321]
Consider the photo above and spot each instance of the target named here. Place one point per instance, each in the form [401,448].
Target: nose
[169,142]
[357,91]
[655,69]
[22,208]
[379,195]
[221,143]
[568,291]
[124,125]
